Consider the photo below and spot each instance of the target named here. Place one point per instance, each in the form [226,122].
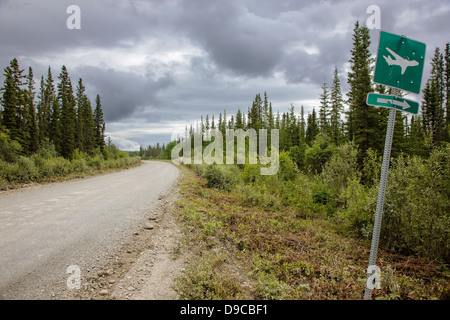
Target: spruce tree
[68,114]
[416,138]
[46,107]
[238,122]
[31,124]
[438,93]
[55,125]
[271,119]
[364,122]
[14,111]
[87,126]
[312,128]
[80,97]
[99,124]
[336,109]
[292,128]
[432,111]
[302,125]
[324,111]
[265,112]
[447,92]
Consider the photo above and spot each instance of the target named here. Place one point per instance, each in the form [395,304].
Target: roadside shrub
[341,168]
[43,165]
[221,176]
[297,154]
[417,206]
[358,209]
[10,150]
[251,173]
[26,170]
[372,167]
[318,154]
[79,165]
[47,150]
[60,166]
[287,169]
[96,161]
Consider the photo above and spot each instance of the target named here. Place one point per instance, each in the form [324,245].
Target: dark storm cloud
[123,93]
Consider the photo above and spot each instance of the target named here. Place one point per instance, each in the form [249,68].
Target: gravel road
[44,229]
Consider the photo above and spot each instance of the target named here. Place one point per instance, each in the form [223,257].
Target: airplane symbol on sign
[399,61]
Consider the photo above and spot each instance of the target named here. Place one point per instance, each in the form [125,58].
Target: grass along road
[244,249]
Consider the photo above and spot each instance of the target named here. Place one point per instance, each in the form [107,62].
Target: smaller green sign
[388,101]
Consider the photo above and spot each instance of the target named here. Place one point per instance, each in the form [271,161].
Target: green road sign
[388,101]
[399,62]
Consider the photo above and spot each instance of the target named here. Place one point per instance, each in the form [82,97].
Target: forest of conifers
[54,134]
[337,154]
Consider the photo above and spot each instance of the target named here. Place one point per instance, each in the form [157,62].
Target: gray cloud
[124,93]
[161,61]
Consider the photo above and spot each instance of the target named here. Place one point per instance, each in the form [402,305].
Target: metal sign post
[380,203]
[399,64]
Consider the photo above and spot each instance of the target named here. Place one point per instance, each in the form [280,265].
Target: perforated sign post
[399,65]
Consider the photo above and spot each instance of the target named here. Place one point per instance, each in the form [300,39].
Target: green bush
[417,206]
[79,165]
[372,167]
[96,161]
[222,177]
[297,154]
[287,168]
[357,211]
[47,150]
[60,166]
[318,154]
[341,168]
[26,170]
[251,173]
[9,150]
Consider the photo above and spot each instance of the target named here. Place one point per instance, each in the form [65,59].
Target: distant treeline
[157,151]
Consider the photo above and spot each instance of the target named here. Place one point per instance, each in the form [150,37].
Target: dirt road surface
[112,236]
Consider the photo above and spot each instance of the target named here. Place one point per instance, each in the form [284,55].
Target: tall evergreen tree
[46,106]
[88,126]
[447,91]
[55,125]
[302,125]
[432,111]
[99,124]
[292,128]
[68,114]
[416,137]
[312,128]
[364,122]
[271,119]
[265,112]
[80,97]
[14,111]
[336,109]
[31,124]
[324,111]
[238,123]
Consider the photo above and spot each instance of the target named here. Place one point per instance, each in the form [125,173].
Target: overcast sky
[159,65]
